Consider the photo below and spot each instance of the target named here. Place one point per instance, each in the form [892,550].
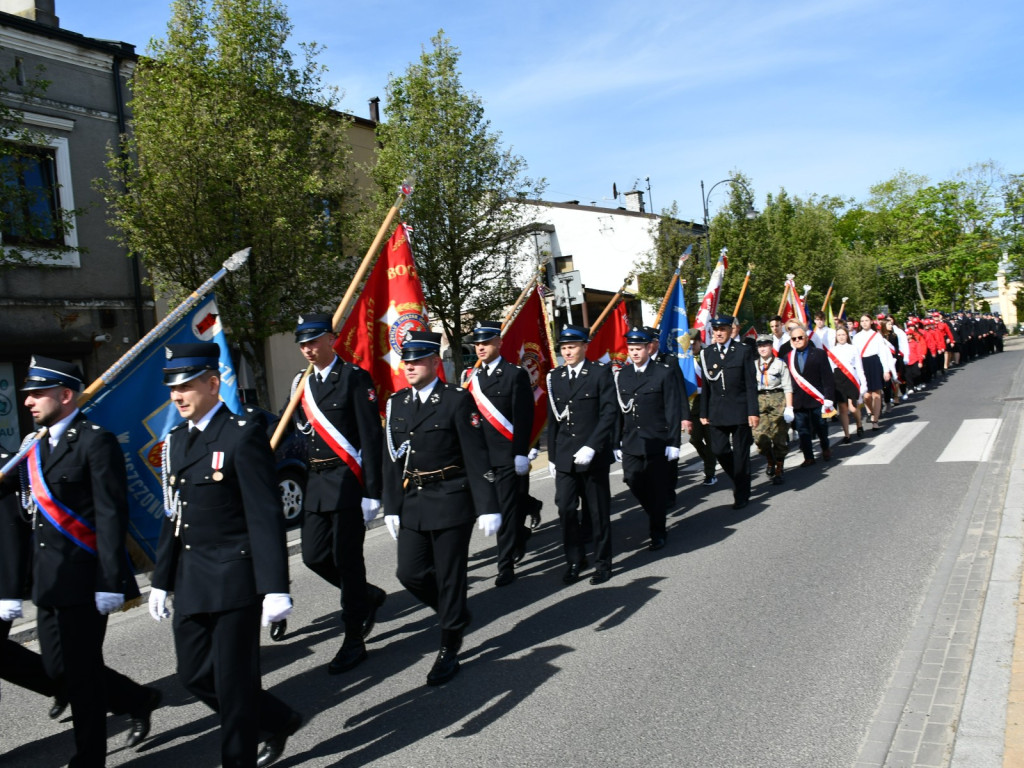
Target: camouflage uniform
[771,435]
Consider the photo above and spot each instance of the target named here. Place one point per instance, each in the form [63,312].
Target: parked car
[292,464]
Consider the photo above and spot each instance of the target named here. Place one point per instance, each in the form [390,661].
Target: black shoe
[351,654]
[710,480]
[58,707]
[505,578]
[273,747]
[601,575]
[740,504]
[572,574]
[278,629]
[846,440]
[376,596]
[777,480]
[826,455]
[769,469]
[139,728]
[860,431]
[446,666]
[519,551]
[807,462]
[657,542]
[535,513]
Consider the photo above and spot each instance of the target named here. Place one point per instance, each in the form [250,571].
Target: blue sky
[814,96]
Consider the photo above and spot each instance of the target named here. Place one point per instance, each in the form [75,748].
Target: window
[30,204]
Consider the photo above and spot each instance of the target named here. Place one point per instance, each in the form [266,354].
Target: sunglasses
[797,338]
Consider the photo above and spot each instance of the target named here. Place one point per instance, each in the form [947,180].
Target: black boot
[446,665]
[352,652]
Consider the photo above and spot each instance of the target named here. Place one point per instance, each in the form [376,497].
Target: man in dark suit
[437,481]
[814,392]
[650,397]
[77,486]
[728,405]
[504,400]
[222,553]
[582,416]
[342,424]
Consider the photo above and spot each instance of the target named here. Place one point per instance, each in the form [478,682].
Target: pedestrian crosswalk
[973,441]
[885,447]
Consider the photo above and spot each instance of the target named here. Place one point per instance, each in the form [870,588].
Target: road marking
[886,446]
[973,441]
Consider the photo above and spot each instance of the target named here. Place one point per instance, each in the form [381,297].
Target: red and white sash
[80,531]
[804,384]
[845,371]
[331,435]
[487,408]
[868,343]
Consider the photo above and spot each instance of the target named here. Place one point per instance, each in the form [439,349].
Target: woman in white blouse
[877,361]
[849,376]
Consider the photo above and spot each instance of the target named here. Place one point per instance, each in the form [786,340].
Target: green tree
[234,144]
[467,209]
[33,224]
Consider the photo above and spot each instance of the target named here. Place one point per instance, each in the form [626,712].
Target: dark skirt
[874,374]
[845,389]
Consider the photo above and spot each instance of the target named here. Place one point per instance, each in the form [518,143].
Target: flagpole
[785,295]
[671,286]
[828,295]
[364,267]
[547,330]
[506,323]
[842,308]
[611,305]
[743,292]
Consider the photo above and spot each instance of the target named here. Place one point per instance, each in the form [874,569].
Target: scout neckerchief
[490,411]
[804,384]
[764,366]
[79,531]
[331,435]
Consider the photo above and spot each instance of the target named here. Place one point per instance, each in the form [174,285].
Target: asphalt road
[764,637]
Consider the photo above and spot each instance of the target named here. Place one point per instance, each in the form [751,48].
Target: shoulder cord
[625,407]
[172,499]
[304,427]
[707,374]
[395,454]
[559,416]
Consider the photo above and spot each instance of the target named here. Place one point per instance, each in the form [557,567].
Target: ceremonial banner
[674,338]
[390,306]
[609,343]
[525,343]
[136,406]
[794,308]
[709,304]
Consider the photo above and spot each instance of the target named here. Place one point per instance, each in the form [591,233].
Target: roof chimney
[375,109]
[41,11]
[635,200]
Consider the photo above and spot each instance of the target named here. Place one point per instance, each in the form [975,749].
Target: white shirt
[424,393]
[203,422]
[57,431]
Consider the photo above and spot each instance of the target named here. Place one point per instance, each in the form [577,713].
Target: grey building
[90,305]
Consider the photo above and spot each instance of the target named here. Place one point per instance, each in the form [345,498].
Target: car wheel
[292,489]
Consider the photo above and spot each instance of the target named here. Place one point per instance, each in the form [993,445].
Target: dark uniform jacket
[86,473]
[730,399]
[230,549]
[15,542]
[654,409]
[581,413]
[348,399]
[508,388]
[818,372]
[445,431]
[677,374]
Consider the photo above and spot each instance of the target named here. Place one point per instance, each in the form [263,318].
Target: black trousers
[219,663]
[731,446]
[21,666]
[513,531]
[332,547]
[432,566]
[71,641]
[809,424]
[651,480]
[590,486]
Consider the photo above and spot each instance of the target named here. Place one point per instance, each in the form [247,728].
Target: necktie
[416,401]
[572,375]
[193,433]
[720,349]
[319,378]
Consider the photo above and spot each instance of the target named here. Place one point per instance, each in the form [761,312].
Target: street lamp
[751,212]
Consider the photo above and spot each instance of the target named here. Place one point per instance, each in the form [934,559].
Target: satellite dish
[615,191]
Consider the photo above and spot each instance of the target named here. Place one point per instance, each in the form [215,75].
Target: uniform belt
[769,391]
[419,479]
[319,465]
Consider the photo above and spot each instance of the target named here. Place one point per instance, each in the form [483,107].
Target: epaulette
[178,427]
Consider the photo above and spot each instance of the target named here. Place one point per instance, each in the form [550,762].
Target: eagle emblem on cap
[301,319]
[167,353]
[32,362]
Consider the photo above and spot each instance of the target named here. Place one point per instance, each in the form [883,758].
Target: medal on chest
[217,464]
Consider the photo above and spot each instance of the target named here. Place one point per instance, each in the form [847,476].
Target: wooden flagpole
[611,305]
[785,295]
[828,295]
[364,267]
[671,287]
[743,292]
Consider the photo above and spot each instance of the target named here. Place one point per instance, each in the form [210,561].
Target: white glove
[827,406]
[533,454]
[158,604]
[522,465]
[617,454]
[583,456]
[276,606]
[108,602]
[787,414]
[671,452]
[551,469]
[371,508]
[393,524]
[489,524]
[10,610]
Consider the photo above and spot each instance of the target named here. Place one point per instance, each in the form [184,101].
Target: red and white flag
[609,343]
[390,306]
[525,343]
[709,304]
